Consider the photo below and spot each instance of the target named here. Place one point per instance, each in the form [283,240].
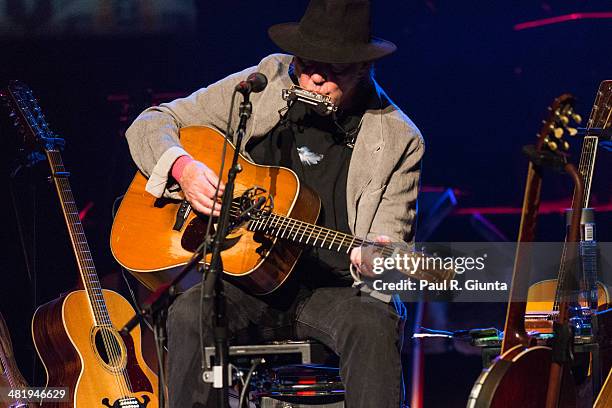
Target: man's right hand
[198,183]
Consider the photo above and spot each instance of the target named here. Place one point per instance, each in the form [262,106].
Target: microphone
[256,82]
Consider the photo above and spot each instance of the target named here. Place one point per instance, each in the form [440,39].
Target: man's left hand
[364,266]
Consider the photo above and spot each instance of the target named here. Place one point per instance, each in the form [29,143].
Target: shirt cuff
[158,180]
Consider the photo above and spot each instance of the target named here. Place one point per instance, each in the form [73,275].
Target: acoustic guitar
[543,298]
[519,376]
[273,217]
[76,335]
[10,376]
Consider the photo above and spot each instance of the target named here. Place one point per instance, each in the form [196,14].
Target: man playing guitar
[363,161]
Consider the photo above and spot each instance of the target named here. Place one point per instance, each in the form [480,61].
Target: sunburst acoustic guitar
[76,335]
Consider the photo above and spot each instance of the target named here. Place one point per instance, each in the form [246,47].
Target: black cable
[247,381]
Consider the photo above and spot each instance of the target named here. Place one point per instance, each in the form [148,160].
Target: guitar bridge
[129,402]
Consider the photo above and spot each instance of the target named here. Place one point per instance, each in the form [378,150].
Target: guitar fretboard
[599,118]
[279,226]
[85,261]
[309,234]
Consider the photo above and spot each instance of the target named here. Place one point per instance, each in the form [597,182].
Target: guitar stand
[155,309]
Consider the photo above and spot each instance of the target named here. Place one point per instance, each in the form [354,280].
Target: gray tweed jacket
[383,177]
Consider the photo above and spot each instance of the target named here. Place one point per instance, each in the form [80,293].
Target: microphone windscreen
[258,81]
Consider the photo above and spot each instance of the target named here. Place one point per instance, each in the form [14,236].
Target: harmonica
[322,104]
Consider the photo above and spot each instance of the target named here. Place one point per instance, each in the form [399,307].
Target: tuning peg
[577,118]
[565,145]
[572,131]
[564,119]
[558,132]
[553,146]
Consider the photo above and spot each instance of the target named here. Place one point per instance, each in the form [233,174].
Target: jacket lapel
[365,159]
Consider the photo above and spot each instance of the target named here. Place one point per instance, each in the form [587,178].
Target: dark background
[476,88]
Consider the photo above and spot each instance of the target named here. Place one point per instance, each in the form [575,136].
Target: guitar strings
[110,342]
[331,236]
[83,255]
[275,224]
[101,317]
[303,227]
[588,162]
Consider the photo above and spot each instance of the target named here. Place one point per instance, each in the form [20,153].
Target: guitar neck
[309,234]
[599,118]
[587,166]
[514,329]
[315,236]
[586,169]
[78,239]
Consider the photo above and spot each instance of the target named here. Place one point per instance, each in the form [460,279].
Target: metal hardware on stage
[293,375]
[299,386]
[323,104]
[278,353]
[304,381]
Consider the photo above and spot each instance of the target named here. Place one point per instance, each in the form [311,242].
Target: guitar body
[541,296]
[65,335]
[519,378]
[144,242]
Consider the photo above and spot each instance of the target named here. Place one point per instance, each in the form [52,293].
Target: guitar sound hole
[108,347]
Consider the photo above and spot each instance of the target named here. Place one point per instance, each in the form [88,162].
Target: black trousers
[365,333]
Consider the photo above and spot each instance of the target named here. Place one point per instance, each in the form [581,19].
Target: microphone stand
[213,283]
[156,306]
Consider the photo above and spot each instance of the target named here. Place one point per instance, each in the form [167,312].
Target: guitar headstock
[28,118]
[560,123]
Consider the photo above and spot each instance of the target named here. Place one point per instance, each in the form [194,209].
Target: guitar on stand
[590,295]
[519,376]
[593,294]
[76,335]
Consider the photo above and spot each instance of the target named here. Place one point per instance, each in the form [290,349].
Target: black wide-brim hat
[332,31]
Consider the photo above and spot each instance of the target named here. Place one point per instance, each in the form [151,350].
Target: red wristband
[179,166]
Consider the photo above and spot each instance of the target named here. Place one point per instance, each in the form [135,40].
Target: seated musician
[364,163]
